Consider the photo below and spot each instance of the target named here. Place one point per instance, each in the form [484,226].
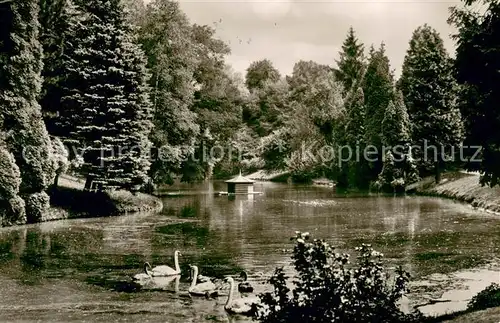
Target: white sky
[286,31]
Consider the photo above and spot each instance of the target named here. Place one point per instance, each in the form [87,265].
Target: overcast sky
[286,31]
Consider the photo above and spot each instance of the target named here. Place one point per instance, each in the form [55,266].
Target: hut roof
[240,180]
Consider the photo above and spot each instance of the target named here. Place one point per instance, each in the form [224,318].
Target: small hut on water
[240,185]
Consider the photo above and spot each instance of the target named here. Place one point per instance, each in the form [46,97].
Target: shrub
[12,211]
[11,205]
[10,176]
[490,297]
[325,289]
[37,205]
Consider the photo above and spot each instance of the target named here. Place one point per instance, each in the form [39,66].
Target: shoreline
[69,201]
[463,187]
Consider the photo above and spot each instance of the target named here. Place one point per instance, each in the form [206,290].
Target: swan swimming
[241,306]
[200,289]
[161,270]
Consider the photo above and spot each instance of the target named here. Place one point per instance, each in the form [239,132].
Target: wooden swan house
[240,185]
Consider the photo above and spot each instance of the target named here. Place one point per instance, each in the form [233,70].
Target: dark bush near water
[83,203]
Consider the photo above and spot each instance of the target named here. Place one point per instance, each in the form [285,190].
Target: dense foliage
[476,68]
[58,21]
[429,91]
[105,106]
[327,288]
[351,64]
[25,136]
[134,95]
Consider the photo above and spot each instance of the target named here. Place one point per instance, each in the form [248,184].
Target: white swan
[200,289]
[164,270]
[200,278]
[145,275]
[241,306]
[204,279]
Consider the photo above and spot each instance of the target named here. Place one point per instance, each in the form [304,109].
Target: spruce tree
[379,91]
[26,137]
[429,90]
[396,123]
[391,178]
[396,140]
[105,106]
[355,128]
[58,19]
[351,64]
[355,139]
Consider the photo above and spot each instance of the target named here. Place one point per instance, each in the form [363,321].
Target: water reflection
[89,260]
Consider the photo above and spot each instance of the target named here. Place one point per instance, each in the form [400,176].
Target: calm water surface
[78,270]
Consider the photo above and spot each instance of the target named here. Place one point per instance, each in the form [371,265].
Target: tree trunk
[210,172]
[88,183]
[56,180]
[437,169]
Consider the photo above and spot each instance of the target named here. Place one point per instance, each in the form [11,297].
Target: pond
[80,269]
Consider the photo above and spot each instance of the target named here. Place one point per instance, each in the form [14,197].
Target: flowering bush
[326,289]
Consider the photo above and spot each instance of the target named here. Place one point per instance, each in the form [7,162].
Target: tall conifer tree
[105,106]
[358,169]
[378,88]
[429,90]
[58,19]
[398,166]
[351,64]
[25,134]
[396,123]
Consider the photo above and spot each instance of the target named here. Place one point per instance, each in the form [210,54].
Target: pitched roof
[240,180]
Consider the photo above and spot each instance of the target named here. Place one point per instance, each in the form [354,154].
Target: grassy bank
[490,315]
[69,200]
[464,187]
[272,176]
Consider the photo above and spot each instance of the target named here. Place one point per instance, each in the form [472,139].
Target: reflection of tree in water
[190,211]
[34,251]
[24,252]
[30,254]
[188,233]
[199,246]
[7,247]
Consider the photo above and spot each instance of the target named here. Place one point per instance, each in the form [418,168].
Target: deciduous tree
[260,72]
[166,37]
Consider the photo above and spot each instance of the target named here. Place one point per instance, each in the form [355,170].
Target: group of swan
[206,287]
